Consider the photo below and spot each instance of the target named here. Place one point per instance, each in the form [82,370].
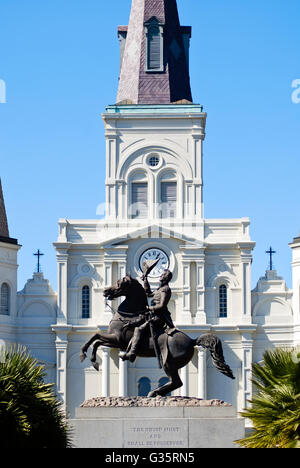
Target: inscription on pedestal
[151,434]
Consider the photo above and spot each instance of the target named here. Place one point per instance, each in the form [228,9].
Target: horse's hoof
[123,356]
[82,356]
[96,366]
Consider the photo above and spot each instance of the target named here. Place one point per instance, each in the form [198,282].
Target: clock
[154,254]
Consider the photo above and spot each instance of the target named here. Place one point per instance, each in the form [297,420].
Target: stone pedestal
[174,423]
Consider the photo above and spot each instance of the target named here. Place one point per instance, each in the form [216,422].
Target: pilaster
[247,359]
[123,378]
[200,313]
[107,283]
[61,344]
[246,259]
[62,275]
[193,255]
[202,373]
[105,384]
[186,316]
[117,255]
[111,169]
[198,178]
[184,375]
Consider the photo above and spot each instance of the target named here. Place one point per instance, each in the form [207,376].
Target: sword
[156,349]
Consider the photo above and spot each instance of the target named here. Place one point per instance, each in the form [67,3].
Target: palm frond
[275,408]
[30,414]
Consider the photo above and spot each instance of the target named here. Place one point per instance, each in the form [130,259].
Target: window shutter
[154,48]
[139,200]
[169,199]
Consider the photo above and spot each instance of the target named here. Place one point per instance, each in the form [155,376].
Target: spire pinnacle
[3,218]
[154,55]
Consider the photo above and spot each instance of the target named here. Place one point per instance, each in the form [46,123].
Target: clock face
[154,254]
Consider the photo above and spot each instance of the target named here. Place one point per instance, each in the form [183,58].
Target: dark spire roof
[3,218]
[4,233]
[139,84]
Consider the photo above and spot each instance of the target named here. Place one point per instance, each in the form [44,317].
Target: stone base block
[173,427]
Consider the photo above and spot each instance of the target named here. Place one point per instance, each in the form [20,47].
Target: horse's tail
[213,343]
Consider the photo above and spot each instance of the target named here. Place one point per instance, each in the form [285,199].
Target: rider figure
[159,313]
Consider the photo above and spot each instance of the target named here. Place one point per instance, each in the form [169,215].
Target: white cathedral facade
[154,204]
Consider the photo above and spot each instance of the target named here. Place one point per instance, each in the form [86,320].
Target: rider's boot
[128,356]
[131,352]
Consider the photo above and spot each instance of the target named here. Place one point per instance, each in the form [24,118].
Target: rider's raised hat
[148,266]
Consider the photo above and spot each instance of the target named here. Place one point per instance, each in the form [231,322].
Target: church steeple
[4,232]
[3,218]
[154,55]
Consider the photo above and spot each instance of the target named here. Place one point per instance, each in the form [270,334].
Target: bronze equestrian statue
[140,330]
[158,317]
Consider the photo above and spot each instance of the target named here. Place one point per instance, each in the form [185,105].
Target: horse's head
[121,288]
[133,291]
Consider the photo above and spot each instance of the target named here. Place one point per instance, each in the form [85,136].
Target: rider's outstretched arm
[147,288]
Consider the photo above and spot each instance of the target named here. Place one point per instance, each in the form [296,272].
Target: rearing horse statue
[176,348]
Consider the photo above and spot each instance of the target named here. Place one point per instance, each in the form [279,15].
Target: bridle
[111,308]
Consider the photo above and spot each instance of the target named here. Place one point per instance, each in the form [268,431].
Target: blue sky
[60,61]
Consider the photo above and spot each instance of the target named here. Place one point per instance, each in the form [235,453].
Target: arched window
[5,300]
[164,381]
[144,386]
[85,302]
[223,301]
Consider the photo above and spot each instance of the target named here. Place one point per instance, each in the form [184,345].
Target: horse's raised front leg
[173,384]
[94,355]
[104,339]
[86,346]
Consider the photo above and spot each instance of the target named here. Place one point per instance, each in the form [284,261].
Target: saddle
[162,339]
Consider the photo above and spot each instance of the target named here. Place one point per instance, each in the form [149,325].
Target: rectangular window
[223,301]
[85,302]
[168,199]
[139,200]
[154,48]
